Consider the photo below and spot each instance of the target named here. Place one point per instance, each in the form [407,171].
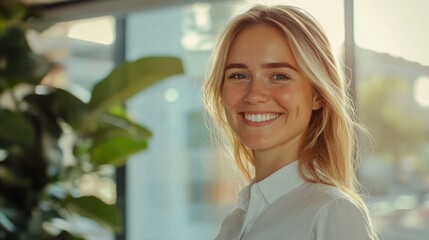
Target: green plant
[38,191]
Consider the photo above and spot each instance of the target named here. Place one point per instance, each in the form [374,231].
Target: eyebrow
[264,65]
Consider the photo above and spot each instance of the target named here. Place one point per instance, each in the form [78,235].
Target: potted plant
[39,193]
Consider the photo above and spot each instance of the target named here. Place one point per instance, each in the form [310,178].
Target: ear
[317,102]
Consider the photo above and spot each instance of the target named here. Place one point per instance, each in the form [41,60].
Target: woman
[276,94]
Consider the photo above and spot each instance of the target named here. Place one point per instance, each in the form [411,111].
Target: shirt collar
[274,186]
[244,197]
[281,182]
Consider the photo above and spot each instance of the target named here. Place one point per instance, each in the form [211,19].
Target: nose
[257,92]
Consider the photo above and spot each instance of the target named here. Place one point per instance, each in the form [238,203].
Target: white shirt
[285,206]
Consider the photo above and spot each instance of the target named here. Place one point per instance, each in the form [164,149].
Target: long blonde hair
[329,149]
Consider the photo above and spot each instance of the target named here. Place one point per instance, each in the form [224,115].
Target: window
[392,70]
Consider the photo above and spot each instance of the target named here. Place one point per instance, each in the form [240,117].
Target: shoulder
[326,199]
[311,202]
[338,216]
[335,204]
[316,212]
[316,202]
[326,192]
[316,197]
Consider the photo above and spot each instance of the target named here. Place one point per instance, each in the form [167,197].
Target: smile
[259,117]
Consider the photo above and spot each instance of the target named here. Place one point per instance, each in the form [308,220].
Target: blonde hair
[329,148]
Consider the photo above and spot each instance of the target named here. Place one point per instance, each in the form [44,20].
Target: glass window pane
[392,93]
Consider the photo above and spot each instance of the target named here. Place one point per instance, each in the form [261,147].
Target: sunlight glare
[98,30]
[421,91]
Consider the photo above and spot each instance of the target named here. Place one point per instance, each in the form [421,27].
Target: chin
[255,145]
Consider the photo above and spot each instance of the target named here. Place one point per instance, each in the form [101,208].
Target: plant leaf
[15,129]
[12,39]
[12,11]
[20,64]
[128,79]
[97,210]
[57,104]
[115,150]
[118,119]
[68,236]
[6,223]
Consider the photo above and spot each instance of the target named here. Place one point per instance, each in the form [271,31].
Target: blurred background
[181,187]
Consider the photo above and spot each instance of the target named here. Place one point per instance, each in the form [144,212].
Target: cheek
[229,97]
[284,95]
[230,100]
[227,104]
[225,99]
[294,97]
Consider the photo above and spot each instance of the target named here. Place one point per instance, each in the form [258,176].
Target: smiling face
[267,101]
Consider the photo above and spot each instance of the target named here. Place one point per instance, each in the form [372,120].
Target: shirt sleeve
[341,219]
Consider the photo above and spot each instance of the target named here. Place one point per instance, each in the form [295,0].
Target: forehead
[260,43]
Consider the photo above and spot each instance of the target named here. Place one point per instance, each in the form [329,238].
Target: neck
[268,162]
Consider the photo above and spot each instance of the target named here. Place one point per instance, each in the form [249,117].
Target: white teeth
[260,117]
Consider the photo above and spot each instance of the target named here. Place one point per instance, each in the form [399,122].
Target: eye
[280,76]
[237,76]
